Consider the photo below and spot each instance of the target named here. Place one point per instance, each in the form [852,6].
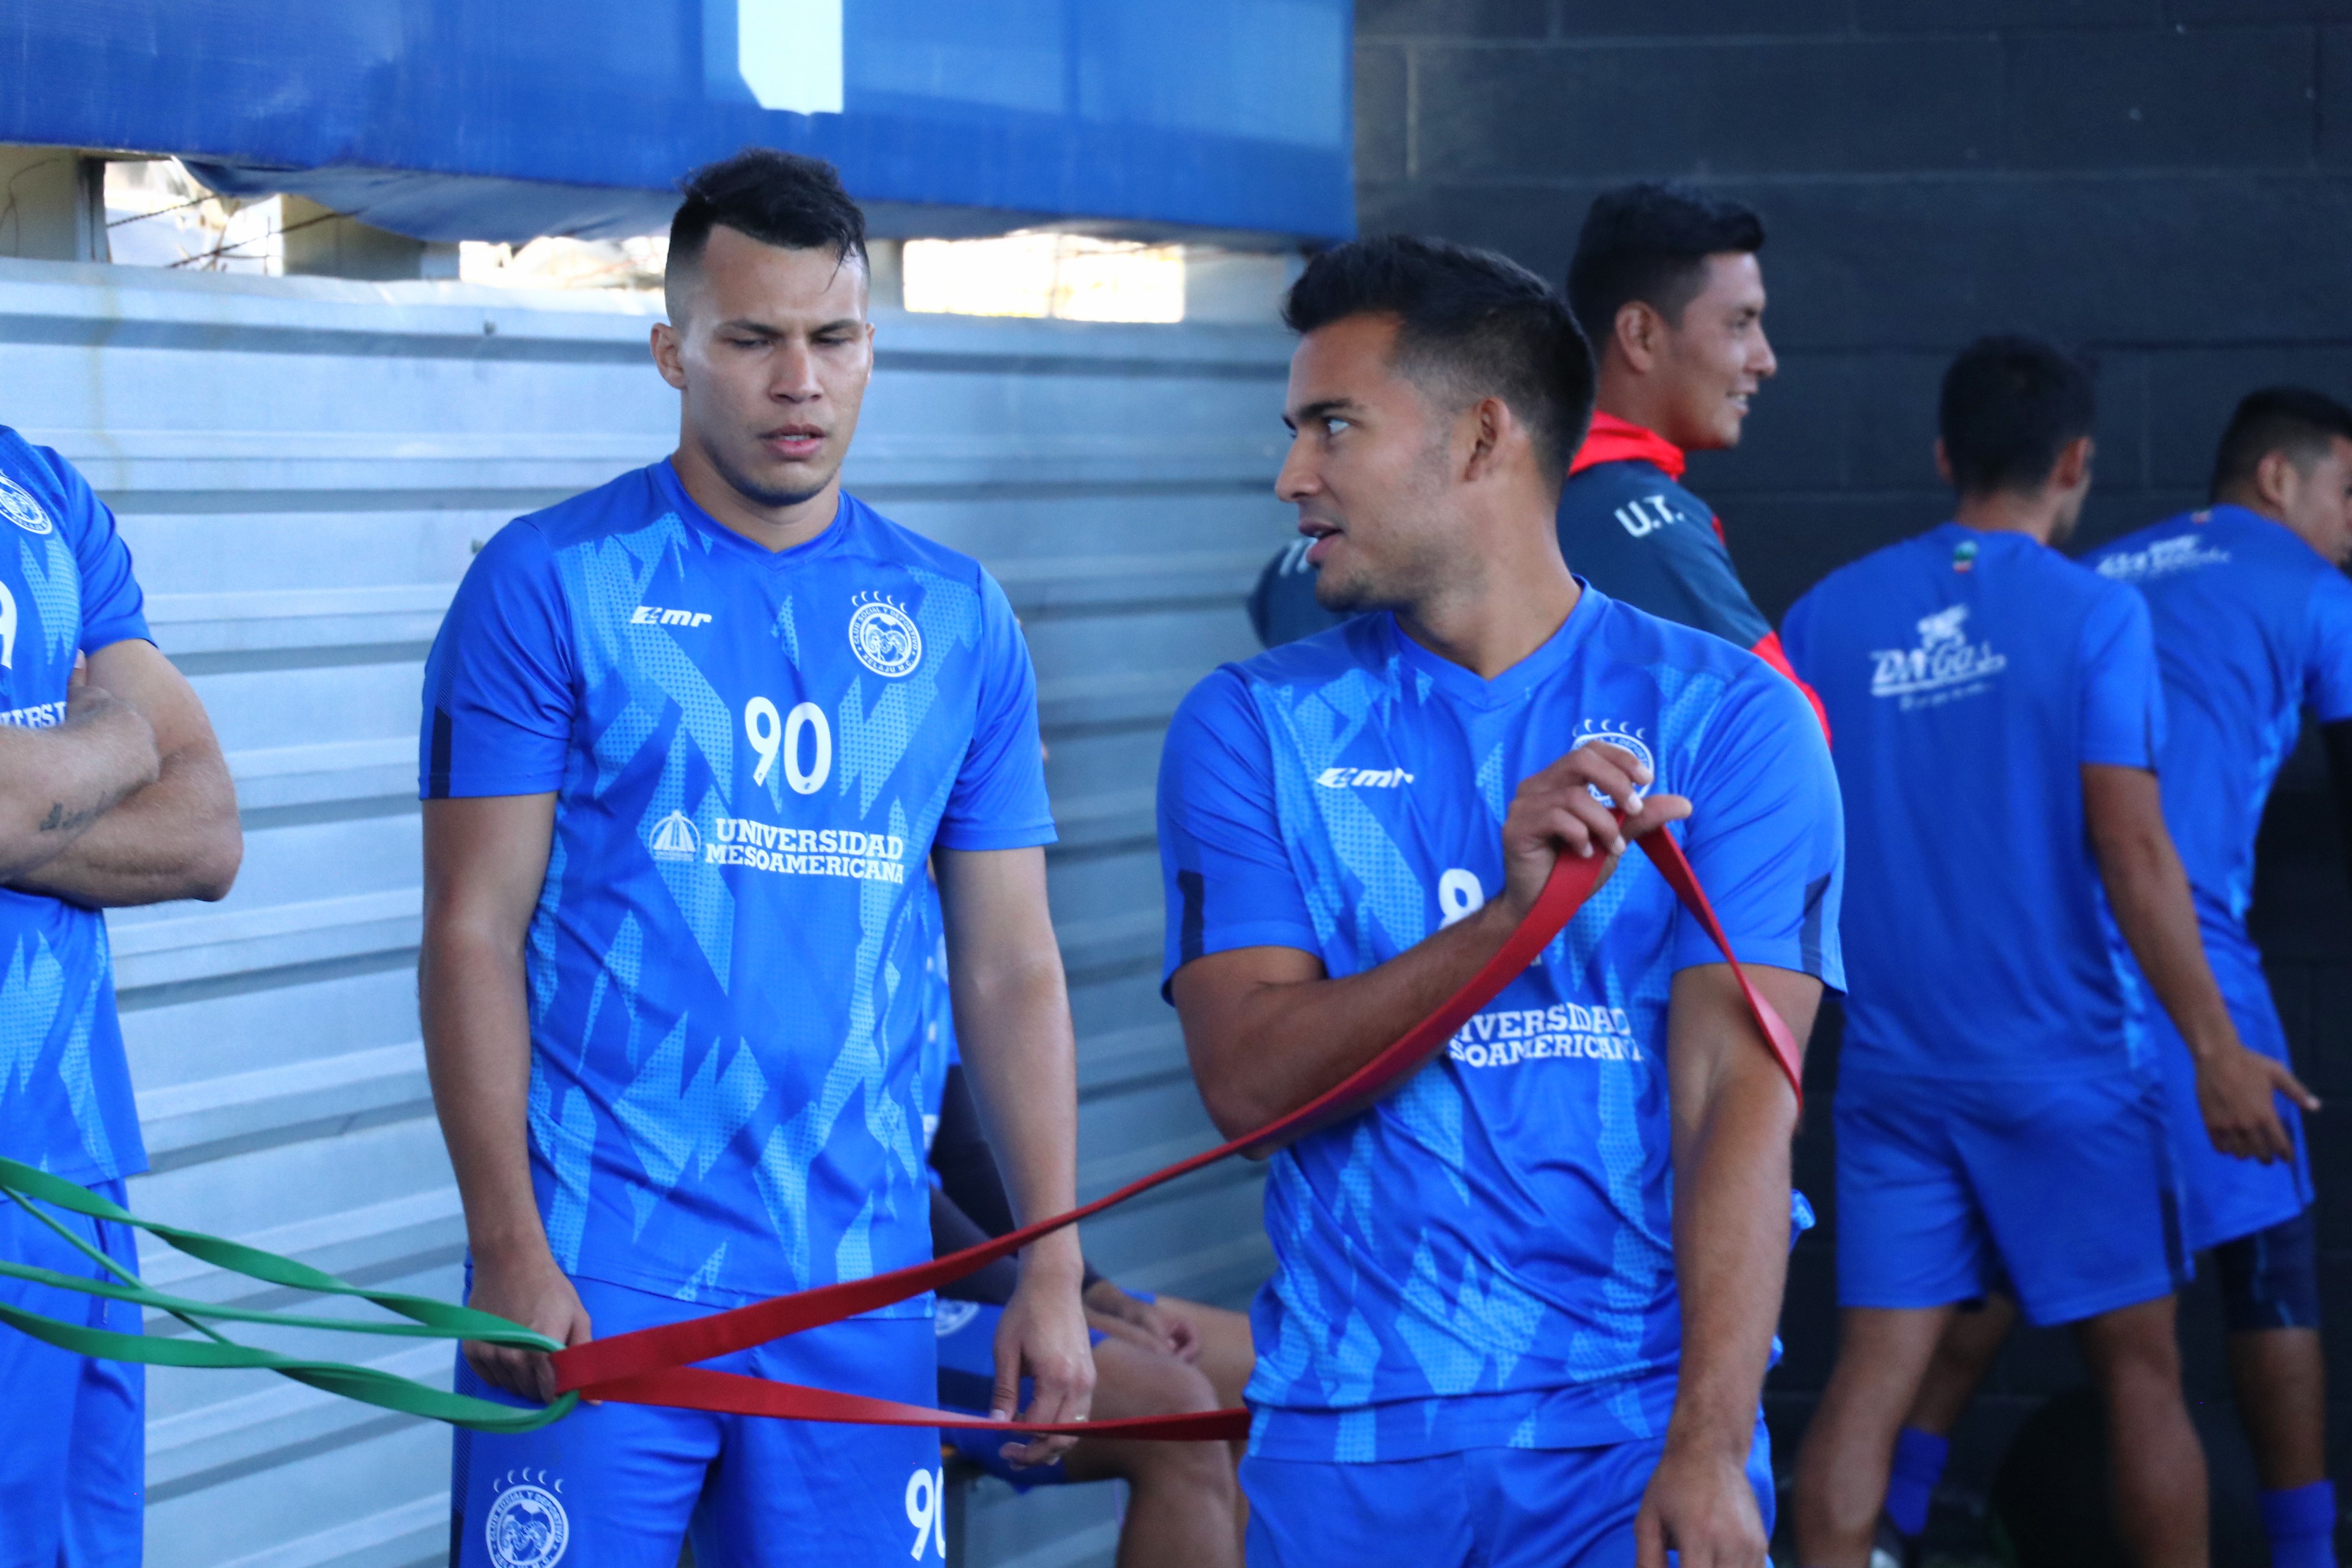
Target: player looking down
[2000,722]
[113,792]
[688,740]
[1492,1336]
[2252,622]
[1667,286]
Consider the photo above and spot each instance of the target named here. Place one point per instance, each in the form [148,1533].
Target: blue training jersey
[752,754]
[66,588]
[2252,626]
[1485,1258]
[1967,676]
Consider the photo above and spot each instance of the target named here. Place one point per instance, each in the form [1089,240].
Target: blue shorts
[1496,1508]
[2067,1186]
[2223,1198]
[967,1342]
[73,1431]
[620,1485]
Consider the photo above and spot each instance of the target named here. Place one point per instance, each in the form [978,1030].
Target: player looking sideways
[1491,1337]
[112,791]
[688,739]
[2252,623]
[1667,286]
[2000,722]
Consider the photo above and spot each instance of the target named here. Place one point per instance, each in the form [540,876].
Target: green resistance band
[428,1318]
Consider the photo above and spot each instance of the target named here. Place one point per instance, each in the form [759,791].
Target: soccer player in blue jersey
[1523,1306]
[113,792]
[688,741]
[2253,623]
[1999,725]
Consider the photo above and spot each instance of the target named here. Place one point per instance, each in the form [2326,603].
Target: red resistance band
[650,1366]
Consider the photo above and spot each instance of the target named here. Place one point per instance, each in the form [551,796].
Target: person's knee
[2271,1279]
[2134,1348]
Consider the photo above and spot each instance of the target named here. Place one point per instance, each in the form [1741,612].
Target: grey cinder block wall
[2167,182]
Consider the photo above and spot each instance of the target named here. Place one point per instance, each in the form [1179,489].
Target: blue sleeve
[999,800]
[113,610]
[2123,688]
[2327,656]
[499,696]
[1228,880]
[1766,835]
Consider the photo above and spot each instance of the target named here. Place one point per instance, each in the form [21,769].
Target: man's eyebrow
[765,329]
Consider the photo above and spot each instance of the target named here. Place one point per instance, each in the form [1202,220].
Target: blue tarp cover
[505,118]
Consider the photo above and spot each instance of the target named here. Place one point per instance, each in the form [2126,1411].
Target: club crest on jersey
[527,1527]
[674,837]
[884,637]
[18,506]
[1608,732]
[950,1317]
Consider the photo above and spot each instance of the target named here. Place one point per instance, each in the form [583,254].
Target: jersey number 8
[772,737]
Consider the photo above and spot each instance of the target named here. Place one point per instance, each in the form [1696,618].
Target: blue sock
[2302,1526]
[1918,1465]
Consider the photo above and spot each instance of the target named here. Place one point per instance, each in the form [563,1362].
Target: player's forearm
[1013,1019]
[176,838]
[1731,1245]
[478,1053]
[56,784]
[1261,1050]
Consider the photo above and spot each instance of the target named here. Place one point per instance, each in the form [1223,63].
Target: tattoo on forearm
[60,820]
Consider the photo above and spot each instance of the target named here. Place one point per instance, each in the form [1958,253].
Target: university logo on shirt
[884,637]
[1944,667]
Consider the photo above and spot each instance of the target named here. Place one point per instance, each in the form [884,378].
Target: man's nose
[1763,364]
[1295,481]
[795,377]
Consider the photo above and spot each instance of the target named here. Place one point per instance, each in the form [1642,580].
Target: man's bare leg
[2280,1379]
[1227,1357]
[1963,1356]
[1882,1354]
[1180,1495]
[2158,1466]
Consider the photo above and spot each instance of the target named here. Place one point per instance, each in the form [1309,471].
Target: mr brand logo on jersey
[884,637]
[21,509]
[1944,667]
[674,837]
[654,616]
[1364,778]
[2164,558]
[527,1527]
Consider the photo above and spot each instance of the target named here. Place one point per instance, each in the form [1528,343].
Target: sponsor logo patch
[673,838]
[1944,667]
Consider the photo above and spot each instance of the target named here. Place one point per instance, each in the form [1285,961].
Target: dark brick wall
[2167,181]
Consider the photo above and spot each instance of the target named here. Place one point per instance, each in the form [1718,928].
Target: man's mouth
[792,442]
[1322,533]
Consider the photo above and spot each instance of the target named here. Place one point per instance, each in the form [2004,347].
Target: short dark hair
[2294,420]
[776,198]
[1650,242]
[1478,323]
[2010,404]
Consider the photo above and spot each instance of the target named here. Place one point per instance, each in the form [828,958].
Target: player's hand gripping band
[651,1366]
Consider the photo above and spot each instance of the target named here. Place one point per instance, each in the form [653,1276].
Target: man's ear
[666,357]
[2073,469]
[1490,426]
[2274,479]
[1943,462]
[1637,331]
